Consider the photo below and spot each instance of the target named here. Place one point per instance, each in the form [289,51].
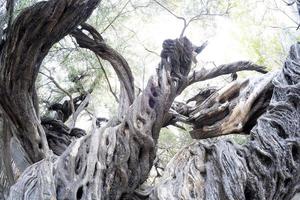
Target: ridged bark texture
[266,167]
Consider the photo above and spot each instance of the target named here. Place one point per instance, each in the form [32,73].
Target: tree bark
[113,162]
[266,167]
[117,61]
[32,34]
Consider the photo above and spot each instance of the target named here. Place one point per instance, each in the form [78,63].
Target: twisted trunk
[266,167]
[112,162]
[31,36]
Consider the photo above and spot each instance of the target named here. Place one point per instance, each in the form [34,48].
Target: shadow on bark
[113,161]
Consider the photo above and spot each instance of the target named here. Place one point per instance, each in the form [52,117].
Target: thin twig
[167,9]
[185,24]
[106,77]
[60,88]
[151,51]
[115,18]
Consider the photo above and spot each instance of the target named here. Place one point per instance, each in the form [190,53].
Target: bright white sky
[224,40]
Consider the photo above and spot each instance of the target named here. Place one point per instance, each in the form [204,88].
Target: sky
[225,35]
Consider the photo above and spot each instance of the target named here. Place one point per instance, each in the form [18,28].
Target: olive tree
[54,161]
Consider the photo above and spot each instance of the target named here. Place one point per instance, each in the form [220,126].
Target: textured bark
[205,74]
[232,109]
[60,136]
[266,167]
[64,110]
[32,34]
[112,162]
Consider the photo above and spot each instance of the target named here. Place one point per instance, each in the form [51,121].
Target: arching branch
[206,74]
[32,34]
[120,65]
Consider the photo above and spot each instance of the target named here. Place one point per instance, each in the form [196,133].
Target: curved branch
[118,62]
[112,162]
[32,34]
[205,74]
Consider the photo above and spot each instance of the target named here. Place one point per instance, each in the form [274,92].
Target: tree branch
[205,74]
[61,89]
[32,34]
[6,151]
[232,109]
[116,17]
[118,62]
[113,161]
[221,169]
[213,106]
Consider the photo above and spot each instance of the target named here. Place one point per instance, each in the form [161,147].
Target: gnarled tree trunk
[112,162]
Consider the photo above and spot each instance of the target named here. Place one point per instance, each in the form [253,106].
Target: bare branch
[107,80]
[232,109]
[116,17]
[212,106]
[205,74]
[150,51]
[185,24]
[79,109]
[32,34]
[203,12]
[169,11]
[118,62]
[61,89]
